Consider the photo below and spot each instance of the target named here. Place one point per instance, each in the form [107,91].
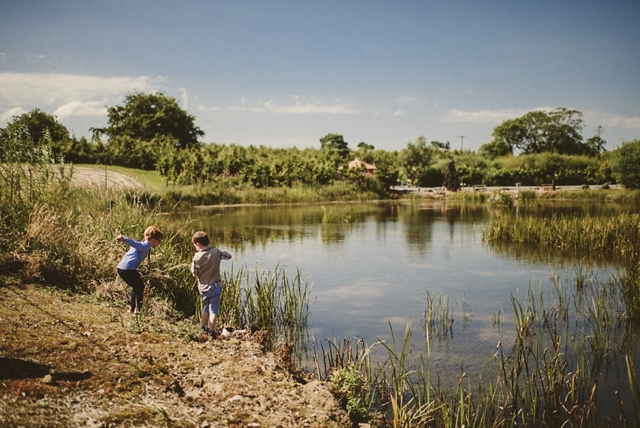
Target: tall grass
[619,233]
[567,338]
[270,300]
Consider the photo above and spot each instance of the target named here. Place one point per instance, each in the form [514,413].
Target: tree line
[152,132]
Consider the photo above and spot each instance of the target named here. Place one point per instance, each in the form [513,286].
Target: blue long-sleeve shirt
[138,251]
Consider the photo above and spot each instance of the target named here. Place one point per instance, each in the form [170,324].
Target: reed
[566,339]
[437,319]
[618,233]
[268,300]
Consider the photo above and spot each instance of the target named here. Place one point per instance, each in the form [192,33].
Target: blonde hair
[153,232]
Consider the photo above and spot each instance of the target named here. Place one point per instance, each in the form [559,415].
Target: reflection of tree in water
[238,228]
[419,226]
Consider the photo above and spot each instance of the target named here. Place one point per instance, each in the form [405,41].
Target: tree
[335,146]
[416,159]
[596,144]
[496,149]
[557,131]
[143,117]
[443,147]
[625,164]
[36,129]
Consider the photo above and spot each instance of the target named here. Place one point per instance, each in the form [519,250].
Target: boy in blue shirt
[128,266]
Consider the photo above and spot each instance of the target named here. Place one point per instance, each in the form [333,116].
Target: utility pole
[462,137]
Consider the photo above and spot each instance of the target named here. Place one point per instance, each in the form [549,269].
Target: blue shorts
[211,300]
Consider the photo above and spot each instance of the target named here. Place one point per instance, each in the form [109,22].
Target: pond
[372,266]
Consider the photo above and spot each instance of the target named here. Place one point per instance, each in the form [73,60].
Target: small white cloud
[44,90]
[607,120]
[482,116]
[8,115]
[398,113]
[298,106]
[185,98]
[79,108]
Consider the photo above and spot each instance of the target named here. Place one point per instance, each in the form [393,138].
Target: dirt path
[94,177]
[70,361]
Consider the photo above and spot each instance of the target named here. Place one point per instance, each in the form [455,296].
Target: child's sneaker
[212,334]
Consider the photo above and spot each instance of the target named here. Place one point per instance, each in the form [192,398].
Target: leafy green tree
[595,144]
[387,167]
[416,159]
[443,147]
[557,131]
[144,119]
[82,151]
[625,164]
[36,129]
[496,148]
[335,146]
[365,152]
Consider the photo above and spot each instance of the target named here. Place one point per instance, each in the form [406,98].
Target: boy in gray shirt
[206,267]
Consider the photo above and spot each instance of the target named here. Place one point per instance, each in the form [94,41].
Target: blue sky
[286,73]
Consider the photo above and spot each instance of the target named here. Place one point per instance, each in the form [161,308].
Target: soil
[69,360]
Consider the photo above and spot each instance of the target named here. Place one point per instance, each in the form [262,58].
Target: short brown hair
[200,238]
[153,232]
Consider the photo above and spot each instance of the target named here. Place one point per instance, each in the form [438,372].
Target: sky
[283,73]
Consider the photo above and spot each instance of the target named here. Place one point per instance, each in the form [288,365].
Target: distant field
[95,175]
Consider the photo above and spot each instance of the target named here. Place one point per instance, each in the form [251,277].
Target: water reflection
[373,264]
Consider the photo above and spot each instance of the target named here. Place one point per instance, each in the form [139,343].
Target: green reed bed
[270,300]
[266,299]
[619,233]
[566,340]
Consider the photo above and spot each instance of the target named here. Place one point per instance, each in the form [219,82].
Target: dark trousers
[133,280]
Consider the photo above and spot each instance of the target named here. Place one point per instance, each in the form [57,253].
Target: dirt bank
[72,361]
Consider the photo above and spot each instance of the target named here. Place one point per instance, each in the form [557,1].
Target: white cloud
[624,122]
[298,106]
[398,113]
[185,98]
[69,94]
[79,108]
[482,116]
[7,116]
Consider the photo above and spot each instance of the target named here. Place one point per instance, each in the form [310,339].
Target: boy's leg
[214,307]
[205,320]
[212,321]
[138,291]
[134,280]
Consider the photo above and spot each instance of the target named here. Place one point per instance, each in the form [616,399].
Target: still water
[371,266]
